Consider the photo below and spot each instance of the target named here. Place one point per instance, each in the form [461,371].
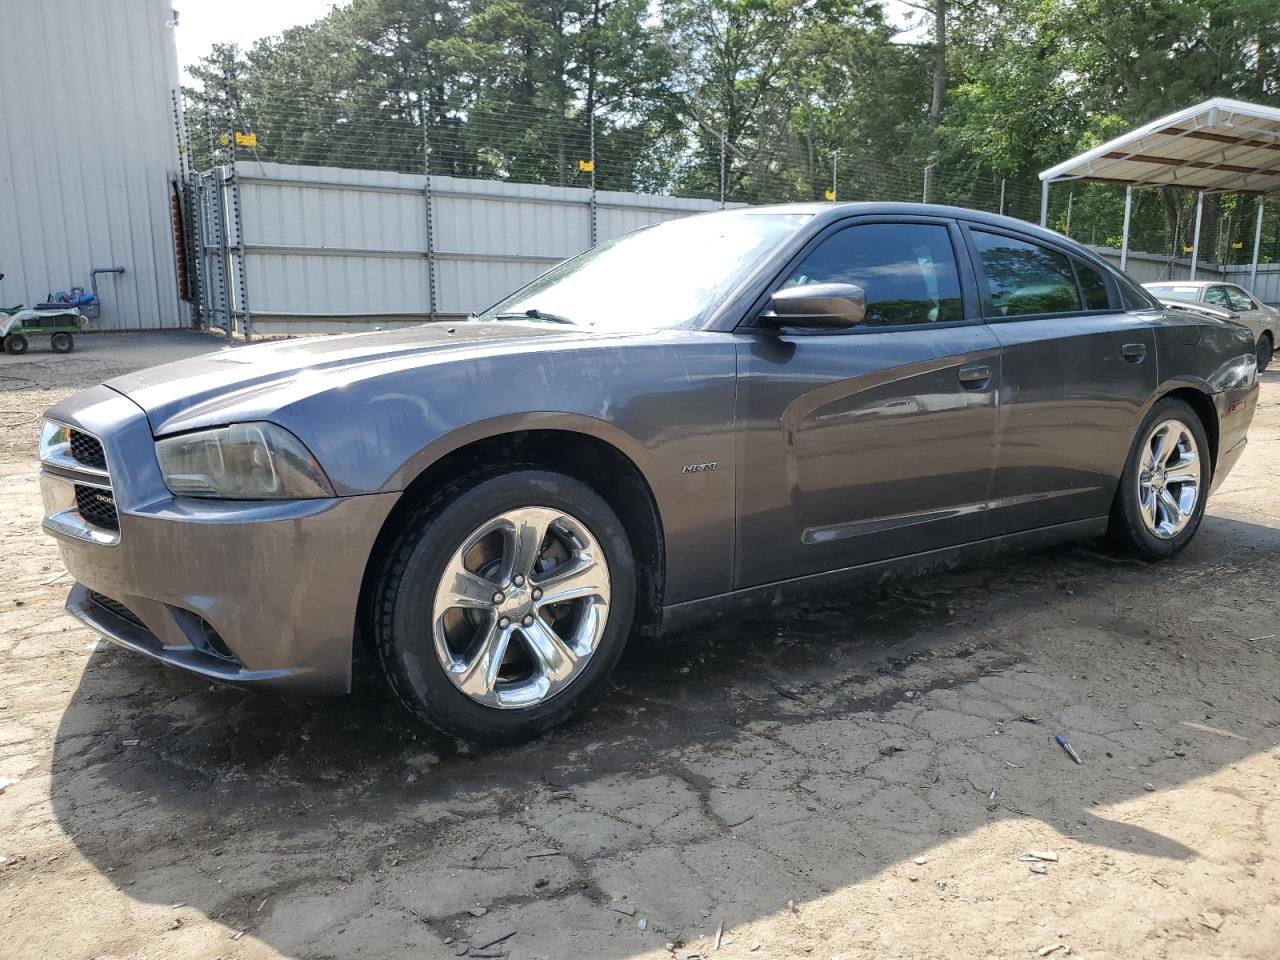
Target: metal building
[88,153]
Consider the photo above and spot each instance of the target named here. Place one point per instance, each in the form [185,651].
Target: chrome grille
[87,451]
[97,507]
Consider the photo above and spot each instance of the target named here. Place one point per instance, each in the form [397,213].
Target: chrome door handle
[1134,352]
[975,376]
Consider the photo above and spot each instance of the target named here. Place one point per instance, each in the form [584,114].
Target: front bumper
[256,593]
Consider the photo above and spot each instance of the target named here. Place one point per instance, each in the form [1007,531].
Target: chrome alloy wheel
[1169,479]
[521,607]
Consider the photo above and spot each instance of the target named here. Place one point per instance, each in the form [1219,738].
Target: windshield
[668,275]
[1172,291]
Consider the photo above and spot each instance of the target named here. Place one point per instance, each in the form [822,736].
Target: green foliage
[507,88]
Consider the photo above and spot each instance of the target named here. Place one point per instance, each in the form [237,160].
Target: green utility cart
[60,325]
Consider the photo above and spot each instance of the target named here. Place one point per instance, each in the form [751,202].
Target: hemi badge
[700,467]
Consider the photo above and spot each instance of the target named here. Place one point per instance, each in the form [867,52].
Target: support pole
[835,194]
[1257,245]
[722,160]
[1002,181]
[1195,237]
[591,118]
[429,203]
[1124,236]
[1071,197]
[1044,203]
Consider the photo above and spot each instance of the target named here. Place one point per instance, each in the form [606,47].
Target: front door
[877,441]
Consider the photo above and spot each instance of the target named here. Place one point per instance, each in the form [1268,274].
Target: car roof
[834,211]
[1187,283]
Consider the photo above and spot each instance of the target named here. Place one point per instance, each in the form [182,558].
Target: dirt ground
[859,778]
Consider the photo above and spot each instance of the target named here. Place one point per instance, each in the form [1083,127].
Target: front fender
[664,403]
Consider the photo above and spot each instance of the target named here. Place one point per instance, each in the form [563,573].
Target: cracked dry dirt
[815,755]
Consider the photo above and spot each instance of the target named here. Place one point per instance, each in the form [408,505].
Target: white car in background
[1263,320]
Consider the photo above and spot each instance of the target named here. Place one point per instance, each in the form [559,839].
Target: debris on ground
[1039,868]
[1065,744]
[1211,920]
[236,935]
[621,906]
[1149,787]
[919,861]
[719,934]
[6,783]
[1045,951]
[478,911]
[1048,855]
[482,940]
[545,852]
[642,923]
[460,948]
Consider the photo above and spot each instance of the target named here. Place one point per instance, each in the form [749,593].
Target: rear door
[877,441]
[1076,371]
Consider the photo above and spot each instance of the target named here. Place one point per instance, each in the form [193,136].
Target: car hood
[241,382]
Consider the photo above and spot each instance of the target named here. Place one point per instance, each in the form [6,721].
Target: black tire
[15,343]
[404,595]
[1127,530]
[62,342]
[1266,349]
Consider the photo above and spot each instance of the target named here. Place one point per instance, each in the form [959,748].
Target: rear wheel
[504,604]
[62,342]
[1266,350]
[15,343]
[1161,498]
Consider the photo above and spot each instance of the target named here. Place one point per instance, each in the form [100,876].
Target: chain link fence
[634,148]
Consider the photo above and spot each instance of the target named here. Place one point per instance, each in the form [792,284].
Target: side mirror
[821,306]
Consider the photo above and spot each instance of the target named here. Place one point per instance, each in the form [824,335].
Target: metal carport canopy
[1219,146]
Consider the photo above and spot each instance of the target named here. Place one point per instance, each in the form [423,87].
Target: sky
[202,23]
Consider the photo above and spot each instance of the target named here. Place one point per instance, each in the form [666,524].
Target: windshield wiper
[533,313]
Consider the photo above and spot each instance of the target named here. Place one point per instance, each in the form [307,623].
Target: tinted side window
[908,271]
[1239,302]
[1218,297]
[1093,287]
[1133,296]
[1024,278]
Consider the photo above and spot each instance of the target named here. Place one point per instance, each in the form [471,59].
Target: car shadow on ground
[807,749]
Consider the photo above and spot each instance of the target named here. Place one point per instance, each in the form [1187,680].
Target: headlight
[55,440]
[245,461]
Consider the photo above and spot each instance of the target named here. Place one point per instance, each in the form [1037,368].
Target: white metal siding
[332,249]
[87,148]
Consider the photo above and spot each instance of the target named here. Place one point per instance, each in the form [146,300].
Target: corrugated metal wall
[330,249]
[87,149]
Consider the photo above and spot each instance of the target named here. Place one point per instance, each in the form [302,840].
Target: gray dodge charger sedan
[707,415]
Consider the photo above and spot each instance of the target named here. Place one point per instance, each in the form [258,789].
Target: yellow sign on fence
[246,139]
[586,166]
[830,194]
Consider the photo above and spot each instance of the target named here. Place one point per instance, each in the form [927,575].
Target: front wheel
[62,342]
[15,343]
[504,604]
[1161,498]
